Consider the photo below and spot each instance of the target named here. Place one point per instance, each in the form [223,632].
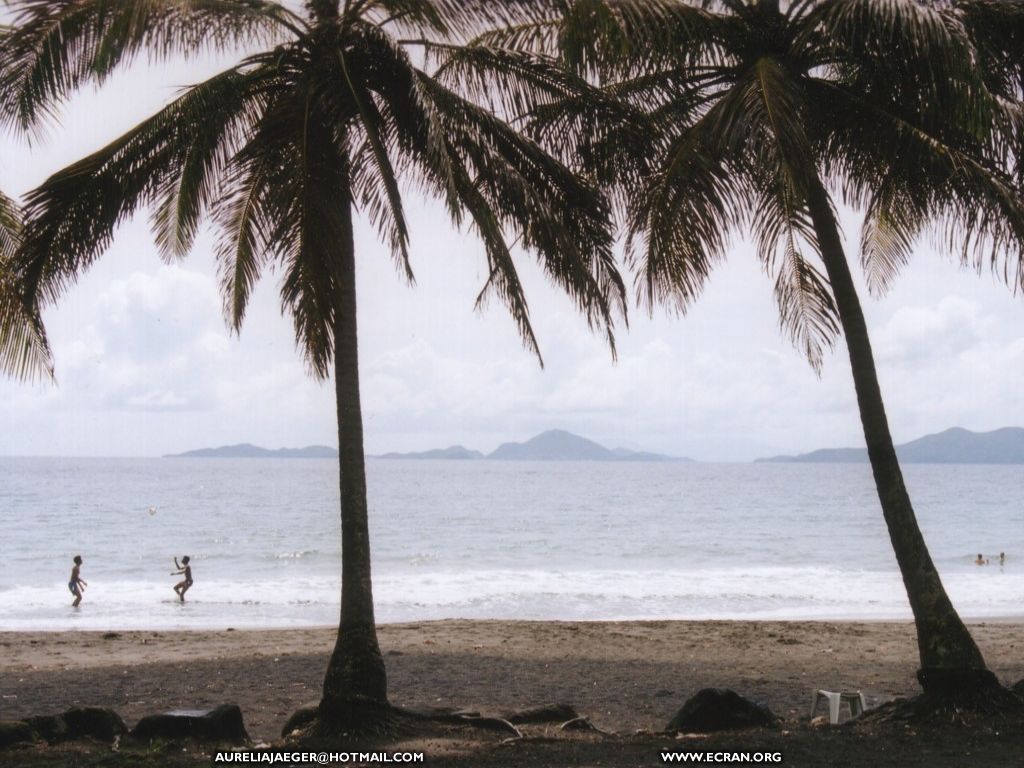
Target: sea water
[489,539]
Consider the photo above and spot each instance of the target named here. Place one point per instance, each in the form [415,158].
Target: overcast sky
[146,365]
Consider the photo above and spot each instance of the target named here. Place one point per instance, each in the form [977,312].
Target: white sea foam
[762,593]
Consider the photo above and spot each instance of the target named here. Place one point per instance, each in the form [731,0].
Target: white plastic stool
[835,700]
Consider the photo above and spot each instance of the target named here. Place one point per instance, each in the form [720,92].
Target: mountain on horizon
[552,445]
[250,451]
[952,446]
[453,452]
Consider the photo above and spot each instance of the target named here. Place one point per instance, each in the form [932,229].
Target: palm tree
[716,118]
[325,119]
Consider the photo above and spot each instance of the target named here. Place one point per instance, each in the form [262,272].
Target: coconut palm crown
[716,119]
[332,113]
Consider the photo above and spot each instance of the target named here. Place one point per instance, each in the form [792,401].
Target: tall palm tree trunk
[355,673]
[951,664]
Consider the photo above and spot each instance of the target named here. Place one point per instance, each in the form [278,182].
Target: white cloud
[943,331]
[144,342]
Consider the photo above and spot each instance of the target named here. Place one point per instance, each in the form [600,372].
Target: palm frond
[405,131]
[170,159]
[24,350]
[454,20]
[775,107]
[315,224]
[548,208]
[996,27]
[510,83]
[706,178]
[243,247]
[680,219]
[538,37]
[918,57]
[785,238]
[614,38]
[973,205]
[921,32]
[807,311]
[290,205]
[58,45]
[891,225]
[385,211]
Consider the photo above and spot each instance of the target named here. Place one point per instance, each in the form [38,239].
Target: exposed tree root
[951,696]
[375,721]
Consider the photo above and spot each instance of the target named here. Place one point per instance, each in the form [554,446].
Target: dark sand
[624,676]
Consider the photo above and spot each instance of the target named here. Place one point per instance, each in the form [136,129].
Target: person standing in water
[184,569]
[77,583]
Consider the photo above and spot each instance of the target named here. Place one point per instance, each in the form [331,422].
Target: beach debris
[77,723]
[50,728]
[15,732]
[545,713]
[221,724]
[581,724]
[300,718]
[492,724]
[94,723]
[719,709]
[152,511]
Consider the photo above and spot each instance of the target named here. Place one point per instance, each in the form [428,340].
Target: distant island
[455,452]
[553,445]
[249,451]
[953,446]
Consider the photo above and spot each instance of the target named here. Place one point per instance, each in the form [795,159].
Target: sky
[145,364]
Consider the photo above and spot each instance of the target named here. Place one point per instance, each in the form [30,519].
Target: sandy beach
[623,676]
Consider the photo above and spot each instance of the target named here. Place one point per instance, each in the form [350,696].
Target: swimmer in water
[77,583]
[184,569]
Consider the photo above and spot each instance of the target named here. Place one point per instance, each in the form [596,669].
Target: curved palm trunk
[355,672]
[951,663]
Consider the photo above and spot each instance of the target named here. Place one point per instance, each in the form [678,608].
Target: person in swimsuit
[77,583]
[184,569]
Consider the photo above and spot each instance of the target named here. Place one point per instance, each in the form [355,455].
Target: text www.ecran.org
[736,758]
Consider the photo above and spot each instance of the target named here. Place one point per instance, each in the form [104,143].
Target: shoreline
[381,625]
[623,675]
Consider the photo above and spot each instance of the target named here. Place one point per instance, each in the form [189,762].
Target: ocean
[486,539]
